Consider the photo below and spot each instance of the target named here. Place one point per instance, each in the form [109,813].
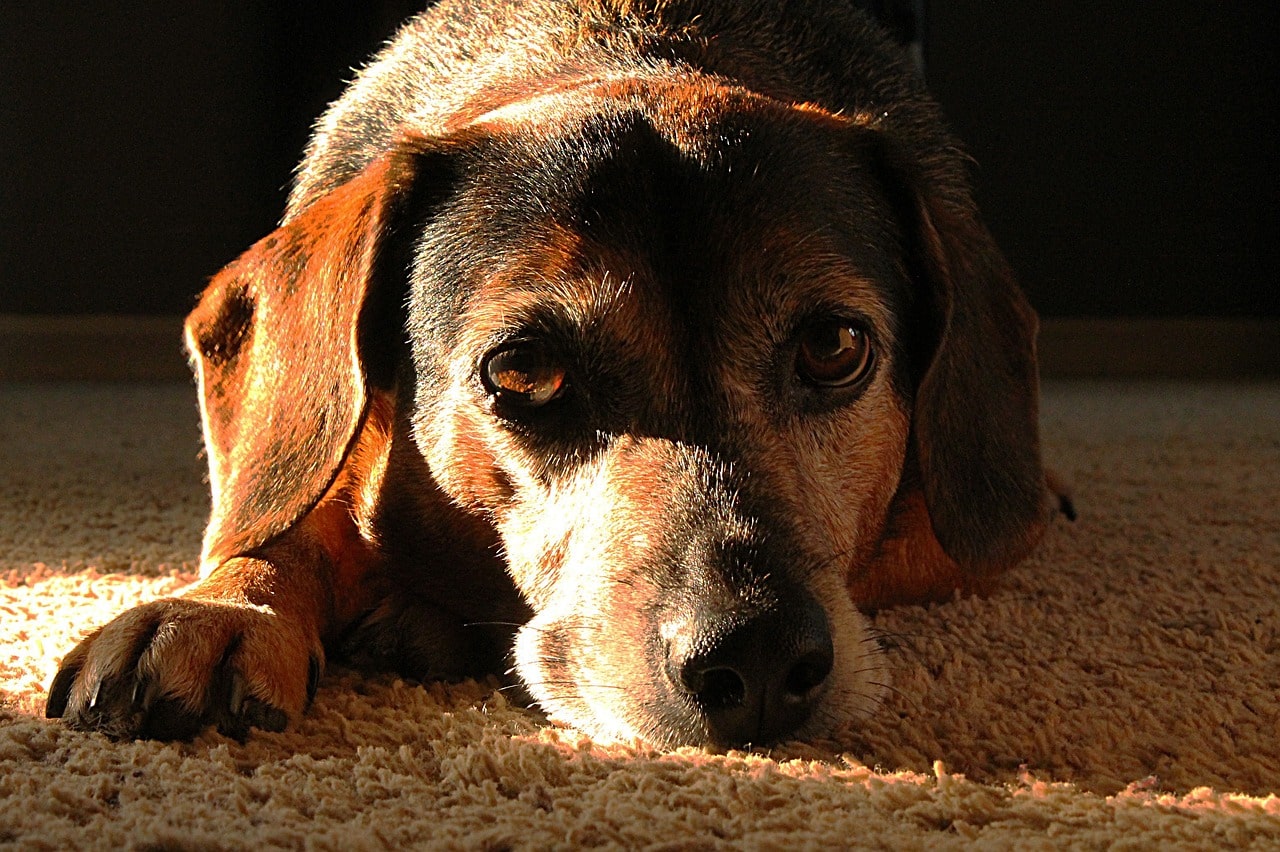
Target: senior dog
[631,345]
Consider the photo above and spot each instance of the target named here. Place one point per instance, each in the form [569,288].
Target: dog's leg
[241,648]
[912,567]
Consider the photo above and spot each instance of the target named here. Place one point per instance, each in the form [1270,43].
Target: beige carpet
[1122,688]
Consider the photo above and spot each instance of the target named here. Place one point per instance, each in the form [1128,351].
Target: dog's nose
[754,679]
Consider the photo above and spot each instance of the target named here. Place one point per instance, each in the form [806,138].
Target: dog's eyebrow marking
[535,299]
[564,282]
[790,287]
[522,108]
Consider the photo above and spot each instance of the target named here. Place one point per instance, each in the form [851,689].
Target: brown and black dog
[631,344]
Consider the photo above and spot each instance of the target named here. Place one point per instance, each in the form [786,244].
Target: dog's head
[685,348]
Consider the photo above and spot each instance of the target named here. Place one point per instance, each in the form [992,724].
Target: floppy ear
[976,422]
[277,348]
[975,425]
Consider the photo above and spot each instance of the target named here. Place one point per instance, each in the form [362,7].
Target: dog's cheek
[847,471]
[535,543]
[461,446]
[582,656]
[589,656]
[859,677]
[561,661]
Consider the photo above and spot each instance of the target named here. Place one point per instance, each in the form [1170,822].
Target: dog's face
[672,376]
[703,364]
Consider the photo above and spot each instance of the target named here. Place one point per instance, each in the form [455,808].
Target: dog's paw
[169,669]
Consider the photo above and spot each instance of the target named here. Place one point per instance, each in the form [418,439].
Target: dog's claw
[236,702]
[168,719]
[94,704]
[246,711]
[253,713]
[259,714]
[145,693]
[314,669]
[60,692]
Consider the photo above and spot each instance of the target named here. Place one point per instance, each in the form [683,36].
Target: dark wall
[146,144]
[1126,159]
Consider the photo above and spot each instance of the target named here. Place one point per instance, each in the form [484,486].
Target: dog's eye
[523,374]
[833,354]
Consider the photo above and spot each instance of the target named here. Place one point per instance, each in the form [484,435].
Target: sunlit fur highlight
[668,191]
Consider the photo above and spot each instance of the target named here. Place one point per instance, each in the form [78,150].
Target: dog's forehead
[707,203]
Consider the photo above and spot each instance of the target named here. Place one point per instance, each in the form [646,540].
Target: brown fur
[667,197]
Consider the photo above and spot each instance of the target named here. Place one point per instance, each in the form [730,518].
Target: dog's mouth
[727,679]
[719,645]
[673,606]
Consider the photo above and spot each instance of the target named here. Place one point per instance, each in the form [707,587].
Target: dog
[634,346]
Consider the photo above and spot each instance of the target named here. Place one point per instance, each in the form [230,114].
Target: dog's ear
[976,409]
[283,346]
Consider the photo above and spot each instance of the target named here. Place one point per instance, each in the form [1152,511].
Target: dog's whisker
[882,632]
[879,702]
[536,685]
[889,688]
[840,556]
[575,623]
[866,670]
[891,640]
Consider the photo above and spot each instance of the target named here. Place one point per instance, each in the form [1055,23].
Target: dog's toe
[169,669]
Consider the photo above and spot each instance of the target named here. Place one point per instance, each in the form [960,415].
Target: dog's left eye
[833,354]
[523,374]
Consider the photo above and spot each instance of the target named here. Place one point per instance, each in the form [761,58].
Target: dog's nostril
[809,672]
[719,689]
[714,687]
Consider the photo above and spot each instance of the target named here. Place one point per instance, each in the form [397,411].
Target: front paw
[169,669]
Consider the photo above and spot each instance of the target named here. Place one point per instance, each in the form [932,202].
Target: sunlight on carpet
[1123,685]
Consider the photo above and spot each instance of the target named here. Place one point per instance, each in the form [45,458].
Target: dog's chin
[614,704]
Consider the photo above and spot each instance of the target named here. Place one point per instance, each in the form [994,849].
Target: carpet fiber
[1120,688]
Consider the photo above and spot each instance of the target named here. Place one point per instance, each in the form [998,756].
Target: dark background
[1126,158]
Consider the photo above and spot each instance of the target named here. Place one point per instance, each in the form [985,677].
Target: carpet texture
[1121,689]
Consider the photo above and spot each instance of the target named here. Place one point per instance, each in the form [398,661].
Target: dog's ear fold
[283,349]
[976,416]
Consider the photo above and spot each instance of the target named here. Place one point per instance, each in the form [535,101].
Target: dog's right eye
[834,354]
[522,374]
